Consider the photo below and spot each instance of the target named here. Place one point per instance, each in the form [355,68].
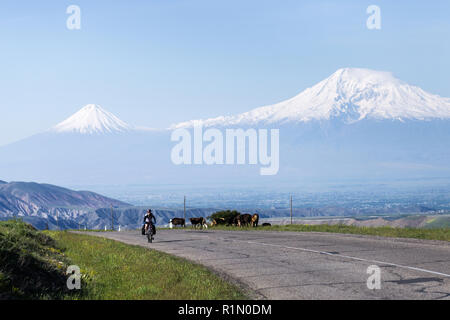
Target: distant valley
[49,206]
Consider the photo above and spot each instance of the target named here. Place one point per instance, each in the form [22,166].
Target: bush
[227,215]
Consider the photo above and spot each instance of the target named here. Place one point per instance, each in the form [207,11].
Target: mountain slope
[92,119]
[29,198]
[44,205]
[349,94]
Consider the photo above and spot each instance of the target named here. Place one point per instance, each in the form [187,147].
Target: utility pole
[112,219]
[184,209]
[291,209]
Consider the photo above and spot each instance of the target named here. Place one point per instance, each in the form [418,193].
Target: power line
[291,209]
[112,219]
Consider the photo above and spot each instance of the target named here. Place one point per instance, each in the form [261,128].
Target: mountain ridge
[349,94]
[49,206]
[30,198]
[352,94]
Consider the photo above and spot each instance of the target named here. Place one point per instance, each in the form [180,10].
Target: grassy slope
[416,233]
[115,270]
[439,222]
[33,265]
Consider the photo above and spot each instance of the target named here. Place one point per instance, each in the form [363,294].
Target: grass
[33,265]
[439,222]
[415,233]
[114,270]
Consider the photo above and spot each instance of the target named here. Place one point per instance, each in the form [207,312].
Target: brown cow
[255,219]
[178,222]
[198,221]
[218,221]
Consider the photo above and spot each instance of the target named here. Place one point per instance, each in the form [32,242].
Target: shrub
[228,215]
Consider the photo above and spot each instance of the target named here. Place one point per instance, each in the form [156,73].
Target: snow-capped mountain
[92,119]
[350,94]
[356,124]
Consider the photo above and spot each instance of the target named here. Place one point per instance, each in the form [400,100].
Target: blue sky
[154,63]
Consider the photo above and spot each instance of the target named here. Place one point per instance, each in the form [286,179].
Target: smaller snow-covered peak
[92,119]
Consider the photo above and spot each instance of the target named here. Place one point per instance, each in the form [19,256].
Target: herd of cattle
[241,220]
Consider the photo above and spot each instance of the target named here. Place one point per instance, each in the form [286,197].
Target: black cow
[198,221]
[266,224]
[236,221]
[244,220]
[178,222]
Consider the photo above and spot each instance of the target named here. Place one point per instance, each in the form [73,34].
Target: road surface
[294,265]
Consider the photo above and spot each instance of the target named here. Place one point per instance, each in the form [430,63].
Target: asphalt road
[294,265]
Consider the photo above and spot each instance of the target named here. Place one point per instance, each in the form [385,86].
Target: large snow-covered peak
[92,119]
[350,94]
[363,76]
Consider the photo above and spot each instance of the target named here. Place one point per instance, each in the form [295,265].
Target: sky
[158,62]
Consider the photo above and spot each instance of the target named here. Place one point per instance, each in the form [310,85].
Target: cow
[218,221]
[266,224]
[198,221]
[255,219]
[236,221]
[178,222]
[244,220]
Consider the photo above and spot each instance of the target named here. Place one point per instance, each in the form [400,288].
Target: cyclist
[150,220]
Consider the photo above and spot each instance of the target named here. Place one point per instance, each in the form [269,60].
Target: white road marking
[344,256]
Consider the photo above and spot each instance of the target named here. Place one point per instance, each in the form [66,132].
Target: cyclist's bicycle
[150,232]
